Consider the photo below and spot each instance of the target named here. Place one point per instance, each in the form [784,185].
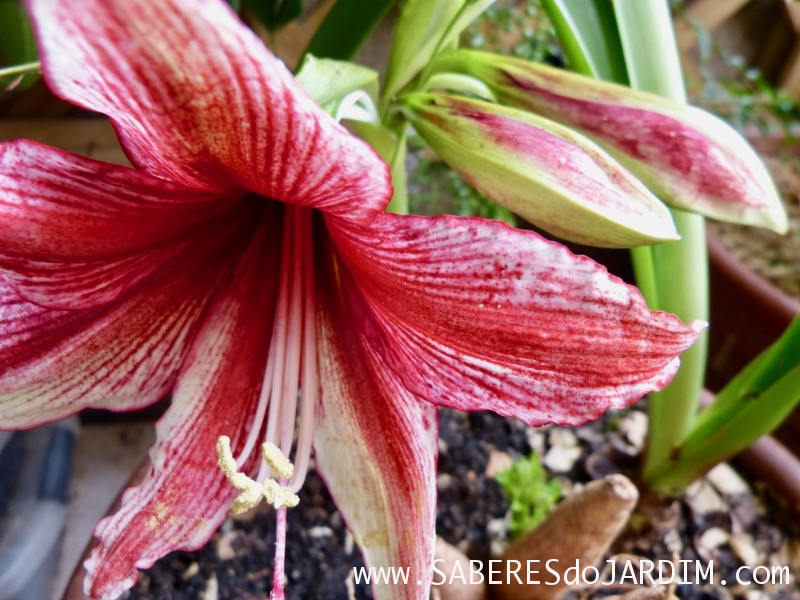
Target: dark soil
[237,563]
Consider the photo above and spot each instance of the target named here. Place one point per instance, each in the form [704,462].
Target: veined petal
[548,174]
[120,356]
[376,446]
[508,321]
[62,207]
[185,496]
[689,157]
[197,99]
[76,233]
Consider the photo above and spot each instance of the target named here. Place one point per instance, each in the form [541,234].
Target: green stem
[677,271]
[673,277]
[23,69]
[681,278]
[399,202]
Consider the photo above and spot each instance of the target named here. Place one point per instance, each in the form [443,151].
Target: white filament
[293,346]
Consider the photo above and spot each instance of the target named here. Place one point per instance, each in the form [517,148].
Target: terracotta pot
[748,313]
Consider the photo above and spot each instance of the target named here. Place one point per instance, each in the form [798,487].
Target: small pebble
[727,481]
[225,549]
[634,427]
[703,499]
[560,459]
[672,541]
[211,591]
[320,531]
[192,570]
[498,528]
[563,438]
[498,462]
[713,538]
[444,481]
[745,550]
[535,438]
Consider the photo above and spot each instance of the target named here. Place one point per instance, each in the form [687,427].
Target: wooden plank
[789,78]
[709,14]
[91,137]
[793,10]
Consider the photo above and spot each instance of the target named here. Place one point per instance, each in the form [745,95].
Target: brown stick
[579,529]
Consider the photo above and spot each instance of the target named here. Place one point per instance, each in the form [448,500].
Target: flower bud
[546,173]
[688,157]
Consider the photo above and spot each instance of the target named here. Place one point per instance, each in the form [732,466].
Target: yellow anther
[225,456]
[252,492]
[278,495]
[275,459]
[247,499]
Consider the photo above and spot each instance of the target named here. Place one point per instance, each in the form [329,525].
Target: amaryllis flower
[247,257]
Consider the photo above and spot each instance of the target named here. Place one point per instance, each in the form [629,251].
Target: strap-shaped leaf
[588,31]
[424,28]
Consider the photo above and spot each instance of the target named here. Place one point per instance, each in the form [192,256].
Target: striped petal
[185,495]
[375,445]
[506,320]
[689,157]
[76,233]
[120,356]
[197,99]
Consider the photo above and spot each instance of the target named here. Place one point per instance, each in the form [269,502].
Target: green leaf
[728,433]
[418,31]
[347,26]
[328,81]
[649,48]
[588,32]
[17,44]
[426,27]
[748,389]
[274,14]
[392,149]
[530,495]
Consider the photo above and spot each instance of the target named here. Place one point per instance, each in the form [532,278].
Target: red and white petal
[185,496]
[376,447]
[477,315]
[62,207]
[119,356]
[76,233]
[196,98]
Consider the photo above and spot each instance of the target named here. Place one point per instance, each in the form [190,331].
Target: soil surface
[718,519]
[775,257]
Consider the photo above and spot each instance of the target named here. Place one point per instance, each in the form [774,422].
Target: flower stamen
[274,492]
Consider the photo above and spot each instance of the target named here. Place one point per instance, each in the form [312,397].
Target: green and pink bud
[688,157]
[548,174]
